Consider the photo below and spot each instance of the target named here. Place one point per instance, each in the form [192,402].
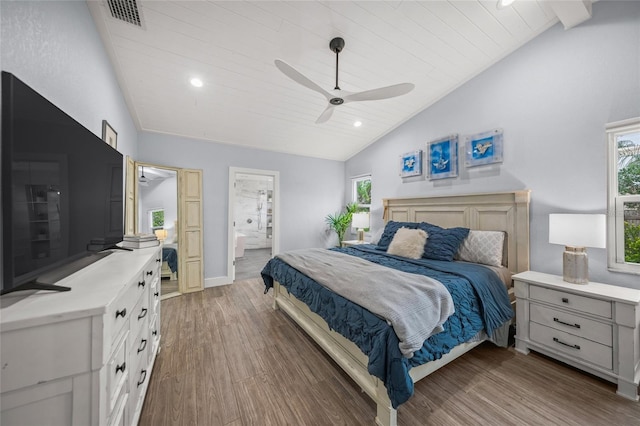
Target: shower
[261,196]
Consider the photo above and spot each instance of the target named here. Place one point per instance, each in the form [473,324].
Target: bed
[169,261]
[507,212]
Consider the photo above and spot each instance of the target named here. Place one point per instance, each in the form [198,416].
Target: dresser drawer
[571,345]
[572,324]
[117,373]
[601,308]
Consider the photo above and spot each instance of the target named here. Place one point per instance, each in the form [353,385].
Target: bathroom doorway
[253,215]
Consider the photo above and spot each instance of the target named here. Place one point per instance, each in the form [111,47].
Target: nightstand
[348,243]
[593,327]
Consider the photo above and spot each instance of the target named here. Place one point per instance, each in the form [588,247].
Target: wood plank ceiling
[246,100]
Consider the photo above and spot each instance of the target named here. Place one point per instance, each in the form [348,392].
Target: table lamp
[360,221]
[161,234]
[577,232]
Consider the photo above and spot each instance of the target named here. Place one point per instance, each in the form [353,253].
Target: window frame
[354,190]
[151,212]
[615,210]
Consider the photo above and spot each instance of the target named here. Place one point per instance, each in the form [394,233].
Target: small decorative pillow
[390,230]
[443,243]
[408,243]
[482,247]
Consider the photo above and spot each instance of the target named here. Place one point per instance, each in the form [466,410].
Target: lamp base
[575,265]
[360,235]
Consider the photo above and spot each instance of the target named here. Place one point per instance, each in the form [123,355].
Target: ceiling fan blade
[326,115]
[296,76]
[381,93]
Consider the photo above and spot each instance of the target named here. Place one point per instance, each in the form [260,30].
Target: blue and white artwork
[484,148]
[411,164]
[443,157]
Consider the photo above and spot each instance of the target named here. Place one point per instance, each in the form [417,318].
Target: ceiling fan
[338,96]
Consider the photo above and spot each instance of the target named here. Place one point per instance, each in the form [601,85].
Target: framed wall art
[411,164]
[442,157]
[483,148]
[109,135]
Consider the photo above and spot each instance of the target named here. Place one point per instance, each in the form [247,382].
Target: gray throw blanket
[416,306]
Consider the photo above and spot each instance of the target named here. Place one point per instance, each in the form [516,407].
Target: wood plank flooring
[228,358]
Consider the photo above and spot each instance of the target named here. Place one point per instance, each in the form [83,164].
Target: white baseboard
[217,281]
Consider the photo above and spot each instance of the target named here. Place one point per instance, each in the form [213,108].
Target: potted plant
[340,221]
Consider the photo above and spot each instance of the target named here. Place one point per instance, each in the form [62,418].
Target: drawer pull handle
[565,300]
[566,323]
[156,294]
[149,272]
[154,332]
[144,377]
[143,345]
[158,260]
[555,339]
[121,367]
[121,313]
[141,283]
[143,313]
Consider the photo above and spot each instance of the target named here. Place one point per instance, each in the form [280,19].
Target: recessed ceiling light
[504,3]
[196,82]
[357,124]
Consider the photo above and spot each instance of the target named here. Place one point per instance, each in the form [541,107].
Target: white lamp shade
[578,230]
[360,220]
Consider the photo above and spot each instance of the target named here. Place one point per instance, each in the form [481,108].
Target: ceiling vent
[125,10]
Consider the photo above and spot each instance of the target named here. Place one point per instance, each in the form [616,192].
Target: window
[362,192]
[156,219]
[623,239]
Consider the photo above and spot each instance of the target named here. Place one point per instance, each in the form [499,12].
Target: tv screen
[62,195]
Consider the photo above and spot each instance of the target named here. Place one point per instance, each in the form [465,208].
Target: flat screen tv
[62,192]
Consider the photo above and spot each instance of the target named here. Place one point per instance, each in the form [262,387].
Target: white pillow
[408,243]
[482,247]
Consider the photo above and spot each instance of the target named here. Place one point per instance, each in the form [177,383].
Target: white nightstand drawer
[584,304]
[573,346]
[573,324]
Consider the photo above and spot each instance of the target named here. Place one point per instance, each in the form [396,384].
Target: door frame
[181,207]
[275,243]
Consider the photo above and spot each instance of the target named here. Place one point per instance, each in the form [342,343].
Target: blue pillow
[442,243]
[390,230]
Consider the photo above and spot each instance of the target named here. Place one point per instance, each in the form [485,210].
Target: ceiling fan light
[504,3]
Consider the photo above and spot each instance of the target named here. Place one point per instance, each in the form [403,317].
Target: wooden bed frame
[506,211]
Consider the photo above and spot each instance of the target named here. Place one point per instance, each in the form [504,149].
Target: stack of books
[138,241]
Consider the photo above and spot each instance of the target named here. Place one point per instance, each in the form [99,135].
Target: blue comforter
[480,300]
[170,255]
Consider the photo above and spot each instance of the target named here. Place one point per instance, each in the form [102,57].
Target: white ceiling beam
[571,12]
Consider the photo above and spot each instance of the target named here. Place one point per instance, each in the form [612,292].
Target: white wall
[310,189]
[553,98]
[54,47]
[159,194]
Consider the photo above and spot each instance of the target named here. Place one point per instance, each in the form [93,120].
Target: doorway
[158,214]
[253,218]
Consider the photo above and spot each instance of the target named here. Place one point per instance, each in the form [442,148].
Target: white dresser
[594,327]
[82,357]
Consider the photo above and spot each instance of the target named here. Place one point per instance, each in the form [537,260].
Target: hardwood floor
[228,358]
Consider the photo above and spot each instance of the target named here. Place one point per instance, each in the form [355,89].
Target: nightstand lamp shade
[576,232]
[360,221]
[161,234]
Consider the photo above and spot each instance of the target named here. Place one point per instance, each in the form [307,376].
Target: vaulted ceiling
[245,100]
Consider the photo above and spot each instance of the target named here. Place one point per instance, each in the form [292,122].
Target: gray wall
[309,190]
[54,47]
[159,194]
[553,98]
